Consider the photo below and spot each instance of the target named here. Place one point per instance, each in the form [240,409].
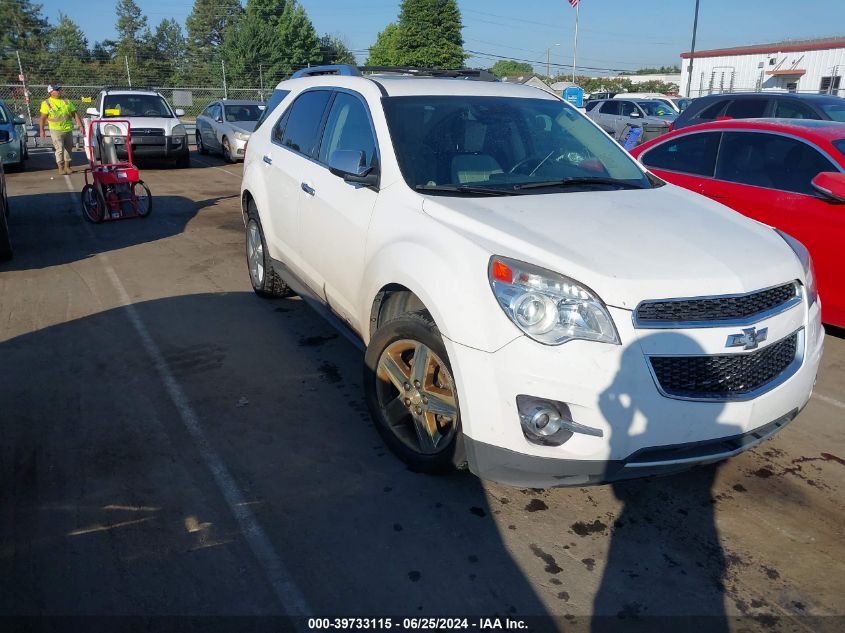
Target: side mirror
[19,120]
[831,185]
[635,115]
[219,119]
[179,112]
[350,165]
[92,112]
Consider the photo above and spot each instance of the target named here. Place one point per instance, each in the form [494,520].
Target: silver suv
[617,115]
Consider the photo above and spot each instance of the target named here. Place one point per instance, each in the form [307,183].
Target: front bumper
[611,388]
[238,148]
[155,147]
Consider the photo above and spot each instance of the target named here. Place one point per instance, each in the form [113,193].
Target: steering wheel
[152,113]
[529,165]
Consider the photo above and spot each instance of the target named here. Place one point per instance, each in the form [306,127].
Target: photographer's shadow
[665,564]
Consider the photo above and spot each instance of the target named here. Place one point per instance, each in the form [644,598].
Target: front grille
[147,131]
[725,376]
[733,308]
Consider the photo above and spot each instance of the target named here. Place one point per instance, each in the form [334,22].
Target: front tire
[411,394]
[263,277]
[227,151]
[200,147]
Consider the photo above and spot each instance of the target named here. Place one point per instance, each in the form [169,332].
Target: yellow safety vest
[59,114]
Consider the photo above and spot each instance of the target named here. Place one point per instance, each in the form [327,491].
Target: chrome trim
[786,374]
[749,320]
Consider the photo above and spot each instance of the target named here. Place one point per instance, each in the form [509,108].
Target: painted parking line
[829,400]
[202,162]
[290,597]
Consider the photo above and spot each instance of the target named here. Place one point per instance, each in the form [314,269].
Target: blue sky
[614,34]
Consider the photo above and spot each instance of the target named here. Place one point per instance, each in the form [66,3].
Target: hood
[244,126]
[140,123]
[627,245]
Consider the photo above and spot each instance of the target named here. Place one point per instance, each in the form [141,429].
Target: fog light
[549,422]
[12,155]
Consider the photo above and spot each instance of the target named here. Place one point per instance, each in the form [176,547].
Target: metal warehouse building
[797,66]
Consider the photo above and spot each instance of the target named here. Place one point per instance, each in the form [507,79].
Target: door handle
[308,189]
[268,160]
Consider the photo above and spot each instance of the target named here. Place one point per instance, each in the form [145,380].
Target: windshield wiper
[576,181]
[467,189]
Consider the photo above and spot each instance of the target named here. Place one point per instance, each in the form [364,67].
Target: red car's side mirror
[831,185]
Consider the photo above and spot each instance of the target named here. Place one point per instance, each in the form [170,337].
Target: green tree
[333,50]
[430,34]
[24,29]
[273,38]
[383,52]
[133,32]
[508,67]
[208,25]
[167,63]
[68,51]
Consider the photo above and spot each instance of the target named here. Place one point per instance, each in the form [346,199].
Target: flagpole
[575,48]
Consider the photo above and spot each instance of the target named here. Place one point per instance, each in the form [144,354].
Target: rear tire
[93,204]
[262,275]
[144,198]
[5,240]
[416,411]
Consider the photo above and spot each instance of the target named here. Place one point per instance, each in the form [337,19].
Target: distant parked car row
[225,127]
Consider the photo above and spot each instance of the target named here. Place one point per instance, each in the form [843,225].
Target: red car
[787,173]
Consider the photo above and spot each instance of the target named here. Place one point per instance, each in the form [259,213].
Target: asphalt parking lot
[174,445]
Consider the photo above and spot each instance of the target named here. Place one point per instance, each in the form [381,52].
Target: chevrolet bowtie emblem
[749,339]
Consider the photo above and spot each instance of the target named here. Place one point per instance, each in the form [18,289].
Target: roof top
[831,130]
[241,102]
[788,46]
[768,94]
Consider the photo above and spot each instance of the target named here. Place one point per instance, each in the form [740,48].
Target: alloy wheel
[416,395]
[255,254]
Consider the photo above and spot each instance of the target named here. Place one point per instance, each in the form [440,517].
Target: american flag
[574,3]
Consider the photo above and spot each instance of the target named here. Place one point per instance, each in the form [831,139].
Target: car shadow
[110,507]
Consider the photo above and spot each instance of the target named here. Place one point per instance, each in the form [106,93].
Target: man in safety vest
[60,114]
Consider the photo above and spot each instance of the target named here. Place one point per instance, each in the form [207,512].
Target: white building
[672,78]
[796,66]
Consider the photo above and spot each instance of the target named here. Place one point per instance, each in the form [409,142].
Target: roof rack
[353,71]
[454,73]
[108,89]
[335,69]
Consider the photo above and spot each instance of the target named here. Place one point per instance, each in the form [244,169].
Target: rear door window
[690,154]
[770,160]
[610,107]
[275,99]
[591,105]
[793,109]
[713,111]
[302,132]
[747,108]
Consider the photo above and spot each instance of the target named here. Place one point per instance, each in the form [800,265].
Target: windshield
[121,106]
[835,109]
[501,143]
[655,108]
[248,112]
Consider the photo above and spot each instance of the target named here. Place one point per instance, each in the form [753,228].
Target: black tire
[93,204]
[267,284]
[200,147]
[144,194]
[5,240]
[226,149]
[412,327]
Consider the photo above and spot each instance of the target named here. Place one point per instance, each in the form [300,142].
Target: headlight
[803,256]
[242,136]
[179,130]
[112,130]
[548,307]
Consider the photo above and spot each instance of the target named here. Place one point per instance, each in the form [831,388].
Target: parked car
[5,240]
[681,103]
[13,148]
[533,303]
[652,96]
[789,174]
[224,126]
[156,130]
[754,105]
[616,115]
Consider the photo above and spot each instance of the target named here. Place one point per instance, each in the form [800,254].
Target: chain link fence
[193,100]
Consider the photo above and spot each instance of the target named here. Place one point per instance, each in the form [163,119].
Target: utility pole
[128,76]
[261,79]
[575,47]
[25,91]
[225,87]
[549,60]
[692,50]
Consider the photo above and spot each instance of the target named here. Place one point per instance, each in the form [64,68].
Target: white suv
[155,128]
[534,304]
